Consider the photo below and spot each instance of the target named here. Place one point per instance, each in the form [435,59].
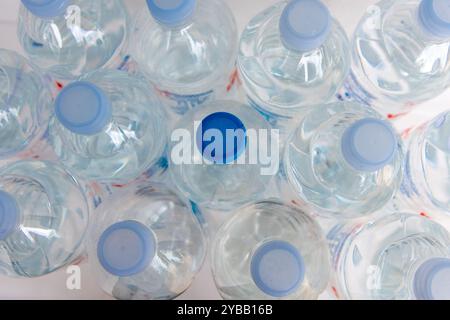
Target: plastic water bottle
[344,159]
[187,48]
[292,55]
[43,218]
[401,54]
[401,256]
[427,168]
[25,104]
[270,250]
[71,37]
[146,243]
[217,155]
[109,126]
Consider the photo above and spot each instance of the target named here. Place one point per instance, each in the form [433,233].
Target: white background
[53,286]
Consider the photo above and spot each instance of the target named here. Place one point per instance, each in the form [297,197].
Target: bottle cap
[432,280]
[9,214]
[223,124]
[126,248]
[277,268]
[435,17]
[171,13]
[369,144]
[83,108]
[305,25]
[46,8]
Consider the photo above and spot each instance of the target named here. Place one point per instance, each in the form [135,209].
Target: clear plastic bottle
[25,104]
[270,250]
[400,256]
[187,48]
[401,54]
[292,55]
[146,243]
[344,159]
[109,126]
[71,37]
[426,179]
[217,170]
[43,218]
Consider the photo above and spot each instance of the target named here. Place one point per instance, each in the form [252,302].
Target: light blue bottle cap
[126,248]
[305,25]
[171,13]
[222,123]
[435,17]
[369,144]
[9,215]
[83,108]
[432,280]
[277,268]
[46,8]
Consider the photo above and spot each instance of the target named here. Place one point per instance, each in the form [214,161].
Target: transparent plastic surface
[25,104]
[427,171]
[221,186]
[180,245]
[378,260]
[52,219]
[84,38]
[191,63]
[316,168]
[251,227]
[281,81]
[397,63]
[132,142]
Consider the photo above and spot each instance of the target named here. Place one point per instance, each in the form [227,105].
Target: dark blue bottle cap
[435,17]
[277,268]
[305,24]
[369,144]
[432,280]
[9,215]
[126,248]
[171,13]
[224,131]
[83,108]
[46,8]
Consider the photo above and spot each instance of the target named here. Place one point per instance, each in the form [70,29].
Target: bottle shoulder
[82,17]
[294,77]
[137,117]
[290,225]
[410,48]
[193,55]
[261,44]
[366,262]
[316,115]
[47,181]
